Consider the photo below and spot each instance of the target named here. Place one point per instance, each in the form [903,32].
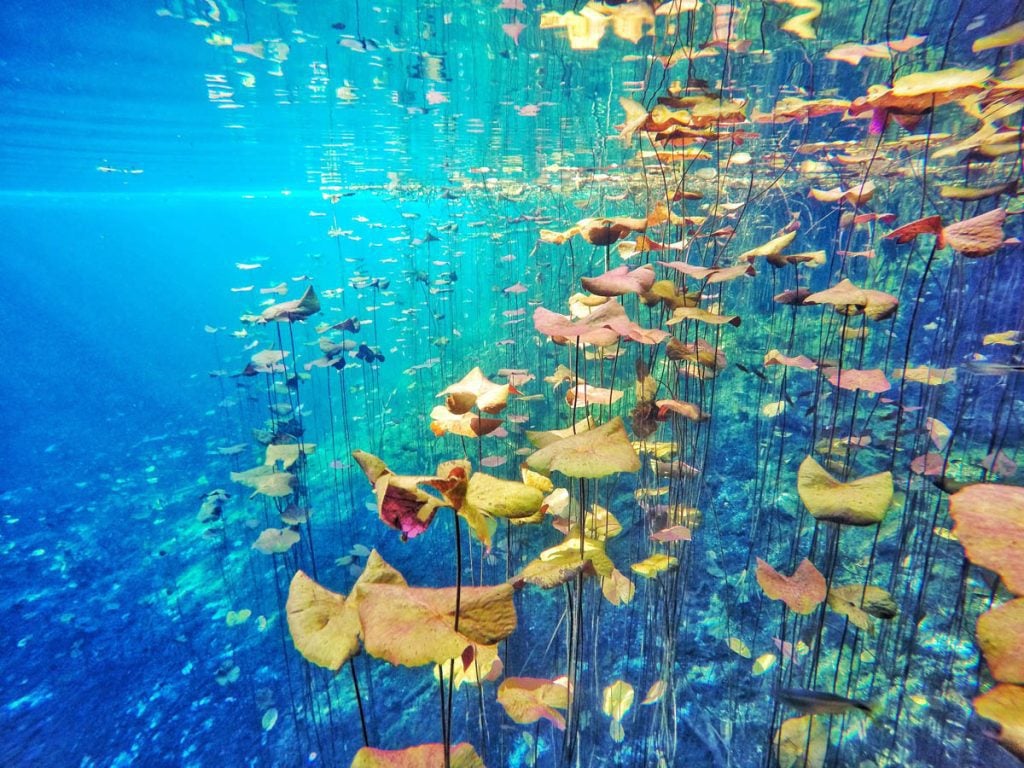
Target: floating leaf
[770,249]
[548,574]
[403,505]
[1005,705]
[774,357]
[269,719]
[930,225]
[922,374]
[600,524]
[859,502]
[325,625]
[651,566]
[801,742]
[617,699]
[265,480]
[1001,638]
[687,410]
[234,618]
[872,380]
[423,756]
[528,699]
[978,236]
[990,525]
[702,315]
[413,626]
[621,281]
[999,463]
[672,533]
[848,299]
[859,603]
[539,439]
[476,664]
[287,454]
[595,453]
[468,425]
[584,394]
[802,592]
[1003,338]
[575,550]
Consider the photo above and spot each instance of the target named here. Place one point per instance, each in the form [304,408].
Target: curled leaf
[528,699]
[802,592]
[859,502]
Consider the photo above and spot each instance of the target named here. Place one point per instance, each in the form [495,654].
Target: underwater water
[457,383]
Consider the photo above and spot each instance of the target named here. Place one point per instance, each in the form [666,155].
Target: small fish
[745,369]
[820,703]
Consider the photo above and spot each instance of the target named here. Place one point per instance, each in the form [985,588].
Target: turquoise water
[443,175]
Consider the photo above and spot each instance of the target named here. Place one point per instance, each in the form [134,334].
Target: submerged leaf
[475,390]
[275,541]
[323,625]
[502,498]
[655,692]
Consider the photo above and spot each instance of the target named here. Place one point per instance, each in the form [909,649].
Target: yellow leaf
[287,454]
[1001,38]
[738,647]
[653,565]
[617,588]
[617,699]
[802,743]
[859,502]
[528,699]
[655,692]
[763,663]
[1005,338]
[413,626]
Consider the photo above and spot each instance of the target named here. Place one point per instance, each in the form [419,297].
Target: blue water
[416,144]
